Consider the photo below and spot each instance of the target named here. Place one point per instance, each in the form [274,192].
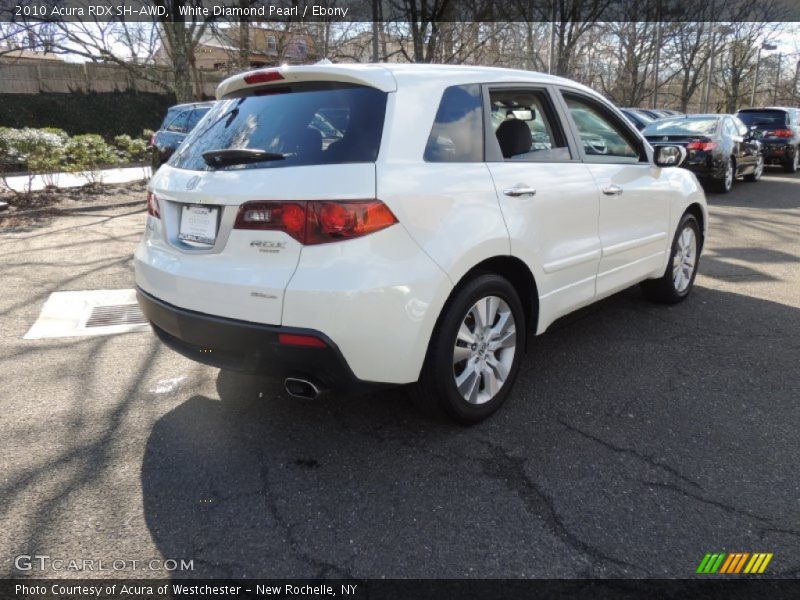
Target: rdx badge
[264,246]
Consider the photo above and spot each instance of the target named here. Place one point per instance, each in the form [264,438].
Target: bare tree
[753,23]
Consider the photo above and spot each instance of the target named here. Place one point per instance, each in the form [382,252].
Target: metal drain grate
[88,313]
[118,314]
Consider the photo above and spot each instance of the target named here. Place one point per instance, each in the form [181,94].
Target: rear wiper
[239,156]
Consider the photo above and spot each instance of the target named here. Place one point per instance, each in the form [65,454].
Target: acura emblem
[665,139]
[192,183]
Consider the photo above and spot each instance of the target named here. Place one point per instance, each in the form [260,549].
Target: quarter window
[525,128]
[457,132]
[602,137]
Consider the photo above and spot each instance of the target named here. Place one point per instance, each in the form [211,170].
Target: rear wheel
[792,165]
[678,279]
[758,171]
[475,351]
[725,184]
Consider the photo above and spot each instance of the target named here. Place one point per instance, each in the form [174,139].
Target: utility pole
[375,30]
[707,99]
[551,55]
[777,80]
[763,46]
[794,83]
[657,58]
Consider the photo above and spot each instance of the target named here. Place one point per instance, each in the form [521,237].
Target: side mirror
[669,156]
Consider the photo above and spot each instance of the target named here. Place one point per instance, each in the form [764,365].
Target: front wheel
[678,279]
[475,351]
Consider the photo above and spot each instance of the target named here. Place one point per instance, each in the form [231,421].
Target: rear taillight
[262,77]
[152,205]
[703,146]
[317,221]
[781,133]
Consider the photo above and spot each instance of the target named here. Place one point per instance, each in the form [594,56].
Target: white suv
[347,226]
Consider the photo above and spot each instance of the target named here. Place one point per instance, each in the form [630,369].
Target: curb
[71,209]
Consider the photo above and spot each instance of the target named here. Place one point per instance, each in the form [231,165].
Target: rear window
[681,126]
[764,119]
[195,116]
[306,124]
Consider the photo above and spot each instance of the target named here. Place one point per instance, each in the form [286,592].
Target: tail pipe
[302,388]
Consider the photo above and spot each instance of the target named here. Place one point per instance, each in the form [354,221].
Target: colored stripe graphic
[738,567]
[765,563]
[729,564]
[703,563]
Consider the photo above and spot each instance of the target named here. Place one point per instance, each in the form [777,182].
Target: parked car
[638,119]
[779,132]
[451,213]
[719,147]
[178,122]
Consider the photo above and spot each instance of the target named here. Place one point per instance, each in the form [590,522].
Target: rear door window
[296,124]
[524,126]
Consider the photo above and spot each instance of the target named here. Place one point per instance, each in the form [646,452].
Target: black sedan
[719,148]
[638,119]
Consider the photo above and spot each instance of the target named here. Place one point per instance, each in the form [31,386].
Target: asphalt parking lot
[639,437]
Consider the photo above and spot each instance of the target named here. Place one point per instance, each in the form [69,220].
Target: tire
[758,171]
[792,165]
[724,185]
[458,352]
[670,288]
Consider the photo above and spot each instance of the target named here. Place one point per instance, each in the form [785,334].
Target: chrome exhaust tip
[301,388]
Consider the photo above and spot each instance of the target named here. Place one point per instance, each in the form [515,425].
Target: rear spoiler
[374,76]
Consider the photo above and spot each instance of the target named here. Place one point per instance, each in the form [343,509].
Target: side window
[457,132]
[730,129]
[740,127]
[180,123]
[525,126]
[603,138]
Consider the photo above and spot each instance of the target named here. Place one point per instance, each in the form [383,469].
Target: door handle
[515,192]
[612,190]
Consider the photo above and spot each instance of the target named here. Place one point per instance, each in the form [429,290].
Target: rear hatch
[772,123]
[233,199]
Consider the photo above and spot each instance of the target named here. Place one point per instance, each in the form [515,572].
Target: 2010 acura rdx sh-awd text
[360,225]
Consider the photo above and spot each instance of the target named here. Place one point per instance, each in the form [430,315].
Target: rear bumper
[249,347]
[705,168]
[778,153]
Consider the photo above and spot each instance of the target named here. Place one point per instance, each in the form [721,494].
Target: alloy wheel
[759,168]
[683,263]
[484,350]
[729,176]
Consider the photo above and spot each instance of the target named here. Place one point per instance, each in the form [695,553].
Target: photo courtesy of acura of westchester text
[399,298]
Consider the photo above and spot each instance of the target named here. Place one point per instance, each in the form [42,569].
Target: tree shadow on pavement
[637,439]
